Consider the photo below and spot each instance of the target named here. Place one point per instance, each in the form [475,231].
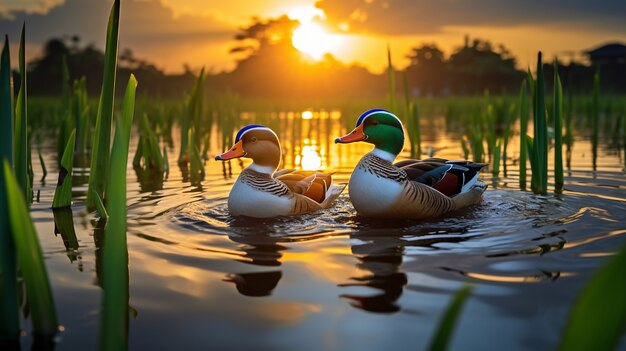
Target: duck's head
[379,127]
[257,142]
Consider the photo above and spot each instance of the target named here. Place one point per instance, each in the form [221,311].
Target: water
[201,279]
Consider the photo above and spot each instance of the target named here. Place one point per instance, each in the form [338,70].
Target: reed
[148,150]
[196,167]
[21,126]
[446,326]
[413,127]
[114,316]
[81,115]
[523,117]
[538,145]
[192,114]
[9,303]
[497,153]
[63,192]
[595,116]
[66,123]
[102,138]
[557,115]
[30,258]
[44,170]
[597,319]
[391,79]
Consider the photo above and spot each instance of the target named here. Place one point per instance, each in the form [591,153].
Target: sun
[313,40]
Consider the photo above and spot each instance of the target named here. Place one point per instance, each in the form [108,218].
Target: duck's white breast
[245,200]
[371,194]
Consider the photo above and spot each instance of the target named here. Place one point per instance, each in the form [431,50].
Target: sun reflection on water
[310,159]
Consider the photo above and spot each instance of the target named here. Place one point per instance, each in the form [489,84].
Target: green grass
[114,314]
[557,115]
[63,192]
[523,115]
[445,328]
[391,80]
[30,258]
[21,126]
[595,117]
[538,145]
[598,317]
[9,304]
[102,138]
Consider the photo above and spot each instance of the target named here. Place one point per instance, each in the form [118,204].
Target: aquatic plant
[102,139]
[598,317]
[196,168]
[63,192]
[445,328]
[595,116]
[192,114]
[30,258]
[391,80]
[557,115]
[21,126]
[412,120]
[148,150]
[81,115]
[9,304]
[538,144]
[44,170]
[114,317]
[523,118]
[66,125]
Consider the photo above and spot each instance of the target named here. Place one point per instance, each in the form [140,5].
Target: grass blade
[391,75]
[21,126]
[523,113]
[595,112]
[9,304]
[114,318]
[597,320]
[44,170]
[63,192]
[446,326]
[30,259]
[558,130]
[102,139]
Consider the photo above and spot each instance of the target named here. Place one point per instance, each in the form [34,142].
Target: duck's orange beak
[356,135]
[234,152]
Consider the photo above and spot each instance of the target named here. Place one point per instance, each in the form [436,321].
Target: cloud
[9,7]
[405,17]
[149,28]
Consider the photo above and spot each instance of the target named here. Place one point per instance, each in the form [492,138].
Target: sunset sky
[199,33]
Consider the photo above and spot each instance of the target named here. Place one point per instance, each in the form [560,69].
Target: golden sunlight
[313,40]
[311,160]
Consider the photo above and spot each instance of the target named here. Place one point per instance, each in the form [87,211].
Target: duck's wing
[310,184]
[304,204]
[420,201]
[449,177]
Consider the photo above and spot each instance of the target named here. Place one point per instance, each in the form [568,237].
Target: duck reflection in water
[380,252]
[260,250]
[382,256]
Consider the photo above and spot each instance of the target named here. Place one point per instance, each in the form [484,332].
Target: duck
[263,192]
[409,189]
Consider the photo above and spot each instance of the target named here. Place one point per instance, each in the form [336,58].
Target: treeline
[272,68]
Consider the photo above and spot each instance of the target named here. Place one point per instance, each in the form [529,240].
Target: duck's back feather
[448,177]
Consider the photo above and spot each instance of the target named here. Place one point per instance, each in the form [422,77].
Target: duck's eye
[254,139]
[375,122]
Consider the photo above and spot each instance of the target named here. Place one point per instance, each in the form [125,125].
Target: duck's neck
[265,169]
[385,155]
[266,162]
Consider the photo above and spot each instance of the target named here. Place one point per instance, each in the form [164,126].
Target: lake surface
[201,279]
